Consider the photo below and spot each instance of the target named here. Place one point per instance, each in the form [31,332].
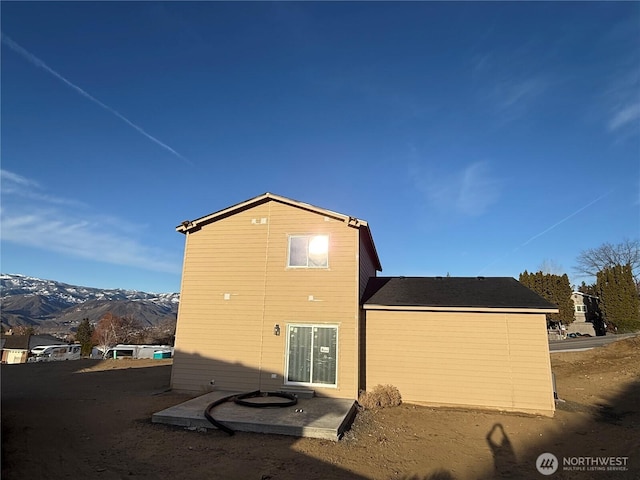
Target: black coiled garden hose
[240,399]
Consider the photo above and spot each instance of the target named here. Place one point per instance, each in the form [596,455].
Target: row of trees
[616,268]
[554,288]
[112,330]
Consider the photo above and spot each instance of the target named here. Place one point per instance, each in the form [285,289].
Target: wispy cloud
[624,115]
[37,220]
[621,97]
[516,92]
[14,184]
[39,63]
[14,178]
[509,85]
[469,191]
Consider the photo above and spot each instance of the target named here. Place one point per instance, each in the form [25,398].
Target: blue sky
[475,138]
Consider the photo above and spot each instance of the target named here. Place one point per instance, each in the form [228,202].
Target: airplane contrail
[547,230]
[39,63]
[565,219]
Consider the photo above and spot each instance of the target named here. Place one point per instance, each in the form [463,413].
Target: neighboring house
[282,295]
[586,315]
[16,348]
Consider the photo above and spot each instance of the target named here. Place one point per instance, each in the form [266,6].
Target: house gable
[367,239]
[239,286]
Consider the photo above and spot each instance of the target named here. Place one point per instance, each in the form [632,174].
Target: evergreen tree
[588,289]
[83,336]
[553,288]
[618,297]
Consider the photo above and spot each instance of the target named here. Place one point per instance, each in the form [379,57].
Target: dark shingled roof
[27,342]
[16,342]
[480,292]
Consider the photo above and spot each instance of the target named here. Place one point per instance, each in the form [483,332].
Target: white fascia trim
[461,309]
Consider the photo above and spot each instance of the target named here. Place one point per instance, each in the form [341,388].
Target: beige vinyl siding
[233,341]
[215,338]
[367,267]
[483,360]
[12,356]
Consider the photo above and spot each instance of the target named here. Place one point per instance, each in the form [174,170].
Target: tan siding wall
[367,267]
[468,359]
[232,341]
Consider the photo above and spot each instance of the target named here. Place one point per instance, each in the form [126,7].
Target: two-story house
[587,316]
[281,295]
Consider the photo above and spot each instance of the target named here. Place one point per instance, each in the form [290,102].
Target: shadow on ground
[609,429]
[91,419]
[72,420]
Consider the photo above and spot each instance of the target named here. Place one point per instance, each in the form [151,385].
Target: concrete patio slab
[326,418]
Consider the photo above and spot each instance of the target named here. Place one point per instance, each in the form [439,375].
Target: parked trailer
[139,351]
[53,353]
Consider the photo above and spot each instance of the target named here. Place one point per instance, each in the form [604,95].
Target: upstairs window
[309,251]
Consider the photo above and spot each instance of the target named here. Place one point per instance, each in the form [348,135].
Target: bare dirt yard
[92,419]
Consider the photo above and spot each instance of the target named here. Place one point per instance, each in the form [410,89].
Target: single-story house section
[279,294]
[472,342]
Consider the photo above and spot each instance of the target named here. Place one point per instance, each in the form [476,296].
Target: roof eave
[483,309]
[194,225]
[190,225]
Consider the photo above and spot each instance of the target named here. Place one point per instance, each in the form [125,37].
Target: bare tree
[112,330]
[129,330]
[24,330]
[104,335]
[594,260]
[551,267]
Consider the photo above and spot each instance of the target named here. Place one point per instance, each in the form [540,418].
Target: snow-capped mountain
[47,303]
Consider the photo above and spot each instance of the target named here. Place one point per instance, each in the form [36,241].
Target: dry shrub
[382,396]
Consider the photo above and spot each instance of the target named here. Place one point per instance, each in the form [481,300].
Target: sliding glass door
[312,354]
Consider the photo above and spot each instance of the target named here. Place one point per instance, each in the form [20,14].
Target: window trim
[286,356]
[308,236]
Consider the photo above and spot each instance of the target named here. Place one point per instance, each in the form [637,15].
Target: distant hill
[55,306]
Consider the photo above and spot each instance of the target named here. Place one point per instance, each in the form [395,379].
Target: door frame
[286,354]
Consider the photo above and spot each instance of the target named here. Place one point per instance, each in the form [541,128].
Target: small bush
[382,396]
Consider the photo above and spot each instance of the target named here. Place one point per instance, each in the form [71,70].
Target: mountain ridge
[49,305]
